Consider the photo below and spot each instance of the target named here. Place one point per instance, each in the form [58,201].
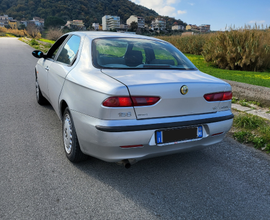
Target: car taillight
[219,96]
[126,101]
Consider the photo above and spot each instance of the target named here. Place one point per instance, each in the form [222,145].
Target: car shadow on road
[168,187]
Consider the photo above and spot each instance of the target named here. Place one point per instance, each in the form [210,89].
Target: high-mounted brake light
[131,146]
[144,100]
[219,96]
[126,101]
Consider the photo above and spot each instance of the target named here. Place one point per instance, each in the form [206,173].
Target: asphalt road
[225,181]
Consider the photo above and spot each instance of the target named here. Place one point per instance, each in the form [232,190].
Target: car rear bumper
[103,138]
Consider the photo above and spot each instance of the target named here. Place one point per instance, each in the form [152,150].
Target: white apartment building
[134,18]
[178,27]
[158,24]
[110,22]
[95,26]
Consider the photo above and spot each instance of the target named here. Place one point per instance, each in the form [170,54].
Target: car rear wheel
[70,140]
[40,98]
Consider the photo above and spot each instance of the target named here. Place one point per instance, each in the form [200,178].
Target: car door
[45,64]
[61,67]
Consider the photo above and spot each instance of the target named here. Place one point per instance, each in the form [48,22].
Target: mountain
[89,11]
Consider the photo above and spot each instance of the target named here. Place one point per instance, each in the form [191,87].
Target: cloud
[169,2]
[181,12]
[167,10]
[257,22]
[191,4]
[163,7]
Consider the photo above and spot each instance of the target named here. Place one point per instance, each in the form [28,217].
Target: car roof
[107,34]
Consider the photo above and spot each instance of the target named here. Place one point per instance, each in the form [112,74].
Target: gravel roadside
[250,92]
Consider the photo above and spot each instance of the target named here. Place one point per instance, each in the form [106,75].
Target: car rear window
[135,53]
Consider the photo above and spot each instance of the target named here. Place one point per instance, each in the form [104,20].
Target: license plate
[178,135]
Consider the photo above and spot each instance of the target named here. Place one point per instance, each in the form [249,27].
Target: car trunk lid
[167,84]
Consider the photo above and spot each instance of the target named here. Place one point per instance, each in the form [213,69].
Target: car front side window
[54,49]
[69,51]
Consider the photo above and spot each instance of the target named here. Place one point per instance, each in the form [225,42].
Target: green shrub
[188,44]
[248,137]
[33,42]
[243,136]
[243,49]
[258,142]
[248,121]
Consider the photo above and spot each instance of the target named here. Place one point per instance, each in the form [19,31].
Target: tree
[54,22]
[133,26]
[21,27]
[33,31]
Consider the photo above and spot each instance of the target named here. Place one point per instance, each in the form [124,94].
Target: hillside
[87,10]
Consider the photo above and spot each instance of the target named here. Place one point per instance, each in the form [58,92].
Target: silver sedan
[123,98]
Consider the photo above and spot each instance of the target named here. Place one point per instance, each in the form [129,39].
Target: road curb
[250,92]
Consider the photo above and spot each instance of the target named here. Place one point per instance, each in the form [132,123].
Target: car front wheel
[70,140]
[40,98]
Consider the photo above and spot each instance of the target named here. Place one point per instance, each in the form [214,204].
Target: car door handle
[47,68]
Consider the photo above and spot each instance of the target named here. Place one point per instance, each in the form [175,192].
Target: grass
[37,44]
[249,121]
[244,103]
[252,129]
[253,78]
[10,35]
[47,41]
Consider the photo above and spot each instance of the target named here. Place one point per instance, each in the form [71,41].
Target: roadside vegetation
[249,77]
[32,36]
[251,129]
[42,44]
[12,32]
[245,49]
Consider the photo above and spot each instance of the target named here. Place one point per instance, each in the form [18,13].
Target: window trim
[61,48]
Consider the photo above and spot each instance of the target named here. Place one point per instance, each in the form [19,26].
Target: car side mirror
[38,54]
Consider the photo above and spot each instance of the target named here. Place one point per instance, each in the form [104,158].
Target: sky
[218,13]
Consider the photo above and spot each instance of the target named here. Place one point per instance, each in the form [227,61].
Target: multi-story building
[123,27]
[38,21]
[110,22]
[95,26]
[178,27]
[202,28]
[139,20]
[158,24]
[205,28]
[4,20]
[192,27]
[75,24]
[24,23]
[14,24]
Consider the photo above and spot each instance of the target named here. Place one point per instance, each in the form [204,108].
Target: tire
[40,98]
[70,140]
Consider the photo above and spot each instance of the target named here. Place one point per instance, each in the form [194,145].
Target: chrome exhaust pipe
[126,164]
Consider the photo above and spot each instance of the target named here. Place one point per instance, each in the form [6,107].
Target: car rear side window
[70,50]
